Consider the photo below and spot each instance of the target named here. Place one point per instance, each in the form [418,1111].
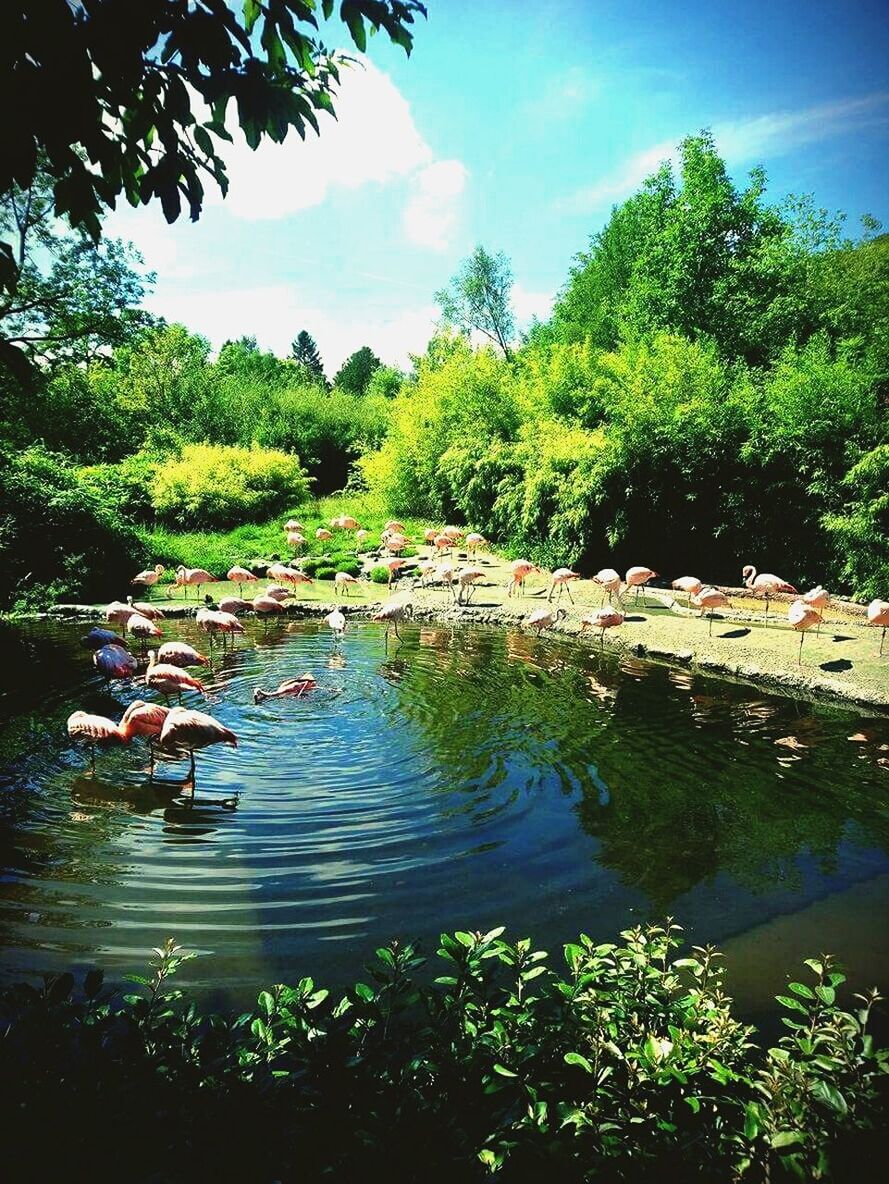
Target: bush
[861,533]
[325,573]
[380,575]
[57,539]
[626,1064]
[125,487]
[215,487]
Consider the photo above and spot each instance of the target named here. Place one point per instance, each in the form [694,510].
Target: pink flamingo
[180,653]
[764,584]
[361,536]
[191,730]
[168,679]
[186,576]
[392,566]
[337,622]
[276,591]
[802,617]
[142,628]
[291,524]
[545,618]
[392,612]
[281,571]
[443,542]
[290,686]
[819,598]
[267,604]
[474,540]
[603,618]
[690,585]
[234,604]
[520,569]
[93,730]
[323,534]
[609,581]
[240,576]
[149,577]
[144,719]
[638,577]
[146,610]
[430,535]
[119,613]
[559,579]
[467,578]
[395,527]
[342,582]
[709,598]
[878,615]
[295,540]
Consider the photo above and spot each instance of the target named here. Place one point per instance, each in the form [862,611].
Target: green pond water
[463,778]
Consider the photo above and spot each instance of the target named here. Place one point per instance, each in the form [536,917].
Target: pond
[462,778]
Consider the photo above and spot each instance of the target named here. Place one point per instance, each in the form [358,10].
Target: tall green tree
[356,372]
[133,100]
[478,299]
[69,297]
[305,352]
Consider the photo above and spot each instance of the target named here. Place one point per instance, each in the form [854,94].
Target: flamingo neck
[748,583]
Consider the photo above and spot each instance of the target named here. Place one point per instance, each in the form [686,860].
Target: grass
[218,551]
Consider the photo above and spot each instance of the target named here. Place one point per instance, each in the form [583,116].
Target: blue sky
[517,125]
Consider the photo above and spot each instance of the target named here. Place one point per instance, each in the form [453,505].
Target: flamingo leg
[710,631]
[93,758]
[568,590]
[799,657]
[882,639]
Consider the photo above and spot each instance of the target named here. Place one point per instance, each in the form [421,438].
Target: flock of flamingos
[180,730]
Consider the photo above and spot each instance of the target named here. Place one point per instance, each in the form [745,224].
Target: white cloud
[156,241]
[373,140]
[430,215]
[528,305]
[275,313]
[740,141]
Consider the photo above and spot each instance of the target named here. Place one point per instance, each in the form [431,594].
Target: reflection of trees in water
[696,784]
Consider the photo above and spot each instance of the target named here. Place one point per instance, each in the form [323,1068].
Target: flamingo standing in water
[146,610]
[191,730]
[118,613]
[96,638]
[144,719]
[142,628]
[392,612]
[336,621]
[235,605]
[545,618]
[764,584]
[113,661]
[802,617]
[186,576]
[609,581]
[266,605]
[603,618]
[169,679]
[180,653]
[878,614]
[93,730]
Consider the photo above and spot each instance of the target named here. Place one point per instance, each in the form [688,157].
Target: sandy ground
[840,662]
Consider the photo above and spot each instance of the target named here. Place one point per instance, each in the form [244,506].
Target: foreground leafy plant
[629,1065]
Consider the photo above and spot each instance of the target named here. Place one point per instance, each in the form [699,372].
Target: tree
[356,372]
[69,297]
[305,352]
[477,298]
[132,100]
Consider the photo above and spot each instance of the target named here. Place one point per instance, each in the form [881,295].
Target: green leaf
[830,1096]
[363,991]
[267,1002]
[575,1058]
[503,1071]
[786,1138]
[790,1002]
[252,9]
[826,995]
[802,990]
[751,1120]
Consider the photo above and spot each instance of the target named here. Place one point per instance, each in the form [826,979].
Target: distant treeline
[711,389]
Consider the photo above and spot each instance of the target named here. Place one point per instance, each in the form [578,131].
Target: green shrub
[215,486]
[325,573]
[624,1063]
[57,538]
[861,533]
[124,487]
[380,575]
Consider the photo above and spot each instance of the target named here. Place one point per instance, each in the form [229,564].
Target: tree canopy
[356,372]
[477,298]
[115,99]
[305,352]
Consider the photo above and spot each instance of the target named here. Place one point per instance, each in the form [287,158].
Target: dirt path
[841,662]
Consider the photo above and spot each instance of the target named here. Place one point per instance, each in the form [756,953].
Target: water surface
[466,777]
